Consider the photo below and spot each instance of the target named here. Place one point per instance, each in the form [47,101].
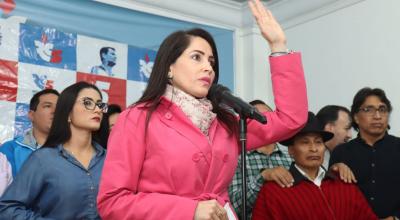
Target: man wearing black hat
[316,193]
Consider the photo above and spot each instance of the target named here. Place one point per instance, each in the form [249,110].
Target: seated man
[316,193]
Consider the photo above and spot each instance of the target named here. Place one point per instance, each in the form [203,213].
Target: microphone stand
[244,114]
[243,139]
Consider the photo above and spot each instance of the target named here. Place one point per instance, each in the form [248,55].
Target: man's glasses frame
[371,110]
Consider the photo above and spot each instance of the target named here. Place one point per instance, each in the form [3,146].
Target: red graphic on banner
[46,50]
[113,90]
[49,84]
[7,6]
[56,56]
[8,80]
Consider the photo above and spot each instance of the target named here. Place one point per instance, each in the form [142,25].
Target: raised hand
[269,27]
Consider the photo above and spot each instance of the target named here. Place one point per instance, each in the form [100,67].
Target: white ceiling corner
[233,14]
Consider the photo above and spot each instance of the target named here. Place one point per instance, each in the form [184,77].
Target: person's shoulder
[392,142]
[272,190]
[45,151]
[133,112]
[393,138]
[44,156]
[341,186]
[250,154]
[94,69]
[132,116]
[7,145]
[10,145]
[270,187]
[346,146]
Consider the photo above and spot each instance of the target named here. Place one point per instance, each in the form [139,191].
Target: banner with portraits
[33,58]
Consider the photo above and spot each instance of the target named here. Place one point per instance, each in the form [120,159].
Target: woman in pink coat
[172,155]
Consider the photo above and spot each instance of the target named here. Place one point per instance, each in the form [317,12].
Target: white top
[320,176]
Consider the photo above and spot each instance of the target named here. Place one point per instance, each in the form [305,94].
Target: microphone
[223,95]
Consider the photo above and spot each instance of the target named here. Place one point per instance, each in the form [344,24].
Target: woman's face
[86,114]
[193,71]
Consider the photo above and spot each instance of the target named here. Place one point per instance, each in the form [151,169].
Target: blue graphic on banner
[22,123]
[39,80]
[42,82]
[140,63]
[47,46]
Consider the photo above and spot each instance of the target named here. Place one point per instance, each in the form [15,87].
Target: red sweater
[334,200]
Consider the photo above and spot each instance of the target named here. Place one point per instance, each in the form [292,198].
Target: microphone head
[223,97]
[216,91]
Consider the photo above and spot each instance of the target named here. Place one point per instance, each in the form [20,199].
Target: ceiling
[242,1]
[235,12]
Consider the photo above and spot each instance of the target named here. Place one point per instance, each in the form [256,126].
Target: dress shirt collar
[29,140]
[99,150]
[299,175]
[360,139]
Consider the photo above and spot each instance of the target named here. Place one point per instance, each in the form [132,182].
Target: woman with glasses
[60,180]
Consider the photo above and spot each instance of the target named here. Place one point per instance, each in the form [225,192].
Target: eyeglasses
[91,105]
[370,110]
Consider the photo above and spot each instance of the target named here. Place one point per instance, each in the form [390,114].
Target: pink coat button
[196,157]
[168,115]
[226,158]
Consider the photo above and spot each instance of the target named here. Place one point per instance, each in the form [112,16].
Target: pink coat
[165,174]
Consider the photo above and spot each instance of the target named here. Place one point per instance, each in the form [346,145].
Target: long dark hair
[60,131]
[170,50]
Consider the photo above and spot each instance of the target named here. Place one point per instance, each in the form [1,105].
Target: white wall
[351,48]
[346,44]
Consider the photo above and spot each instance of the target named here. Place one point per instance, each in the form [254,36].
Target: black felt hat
[312,126]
